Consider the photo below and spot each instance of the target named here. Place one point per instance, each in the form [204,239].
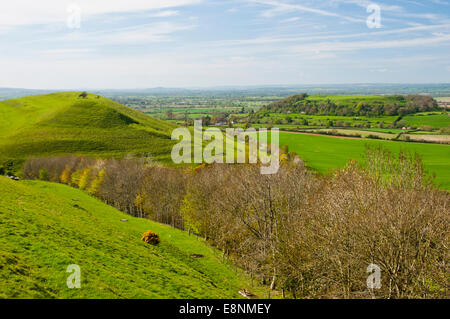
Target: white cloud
[382,70]
[165,14]
[28,12]
[279,7]
[293,19]
[65,51]
[140,34]
[392,10]
[146,33]
[268,40]
[364,45]
[366,3]
[442,2]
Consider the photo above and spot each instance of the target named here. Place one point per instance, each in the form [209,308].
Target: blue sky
[200,43]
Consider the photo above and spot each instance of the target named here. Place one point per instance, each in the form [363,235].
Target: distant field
[326,154]
[43,230]
[434,121]
[321,119]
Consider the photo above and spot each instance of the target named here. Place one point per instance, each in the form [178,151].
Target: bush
[43,175]
[83,95]
[426,128]
[150,238]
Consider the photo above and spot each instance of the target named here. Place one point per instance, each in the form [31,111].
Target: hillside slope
[45,227]
[65,123]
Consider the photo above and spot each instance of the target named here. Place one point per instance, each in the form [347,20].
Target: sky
[121,44]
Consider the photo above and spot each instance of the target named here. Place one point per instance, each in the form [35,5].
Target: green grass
[325,154]
[63,123]
[433,120]
[318,119]
[43,230]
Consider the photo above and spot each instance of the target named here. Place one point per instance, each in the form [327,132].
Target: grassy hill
[45,227]
[65,123]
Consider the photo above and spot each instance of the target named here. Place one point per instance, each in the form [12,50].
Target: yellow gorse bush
[150,238]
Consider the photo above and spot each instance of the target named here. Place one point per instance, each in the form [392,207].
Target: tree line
[384,106]
[306,236]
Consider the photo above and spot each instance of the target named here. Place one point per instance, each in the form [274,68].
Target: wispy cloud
[442,2]
[143,43]
[64,51]
[287,39]
[279,7]
[28,12]
[139,34]
[367,45]
[165,14]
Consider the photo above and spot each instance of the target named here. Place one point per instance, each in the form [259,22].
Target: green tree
[84,178]
[43,174]
[96,183]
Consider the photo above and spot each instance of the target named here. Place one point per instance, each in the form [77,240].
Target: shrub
[374,137]
[43,175]
[150,238]
[83,95]
[426,128]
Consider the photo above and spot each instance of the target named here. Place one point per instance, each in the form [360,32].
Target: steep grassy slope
[64,123]
[43,230]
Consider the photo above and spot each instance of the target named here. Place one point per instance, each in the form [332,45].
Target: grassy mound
[45,227]
[65,123]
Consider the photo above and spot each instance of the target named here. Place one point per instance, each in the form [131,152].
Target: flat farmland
[326,154]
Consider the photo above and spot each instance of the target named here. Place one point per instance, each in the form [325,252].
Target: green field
[432,120]
[64,123]
[43,230]
[323,119]
[325,154]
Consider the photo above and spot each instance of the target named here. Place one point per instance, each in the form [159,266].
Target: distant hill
[436,89]
[46,227]
[66,123]
[353,105]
